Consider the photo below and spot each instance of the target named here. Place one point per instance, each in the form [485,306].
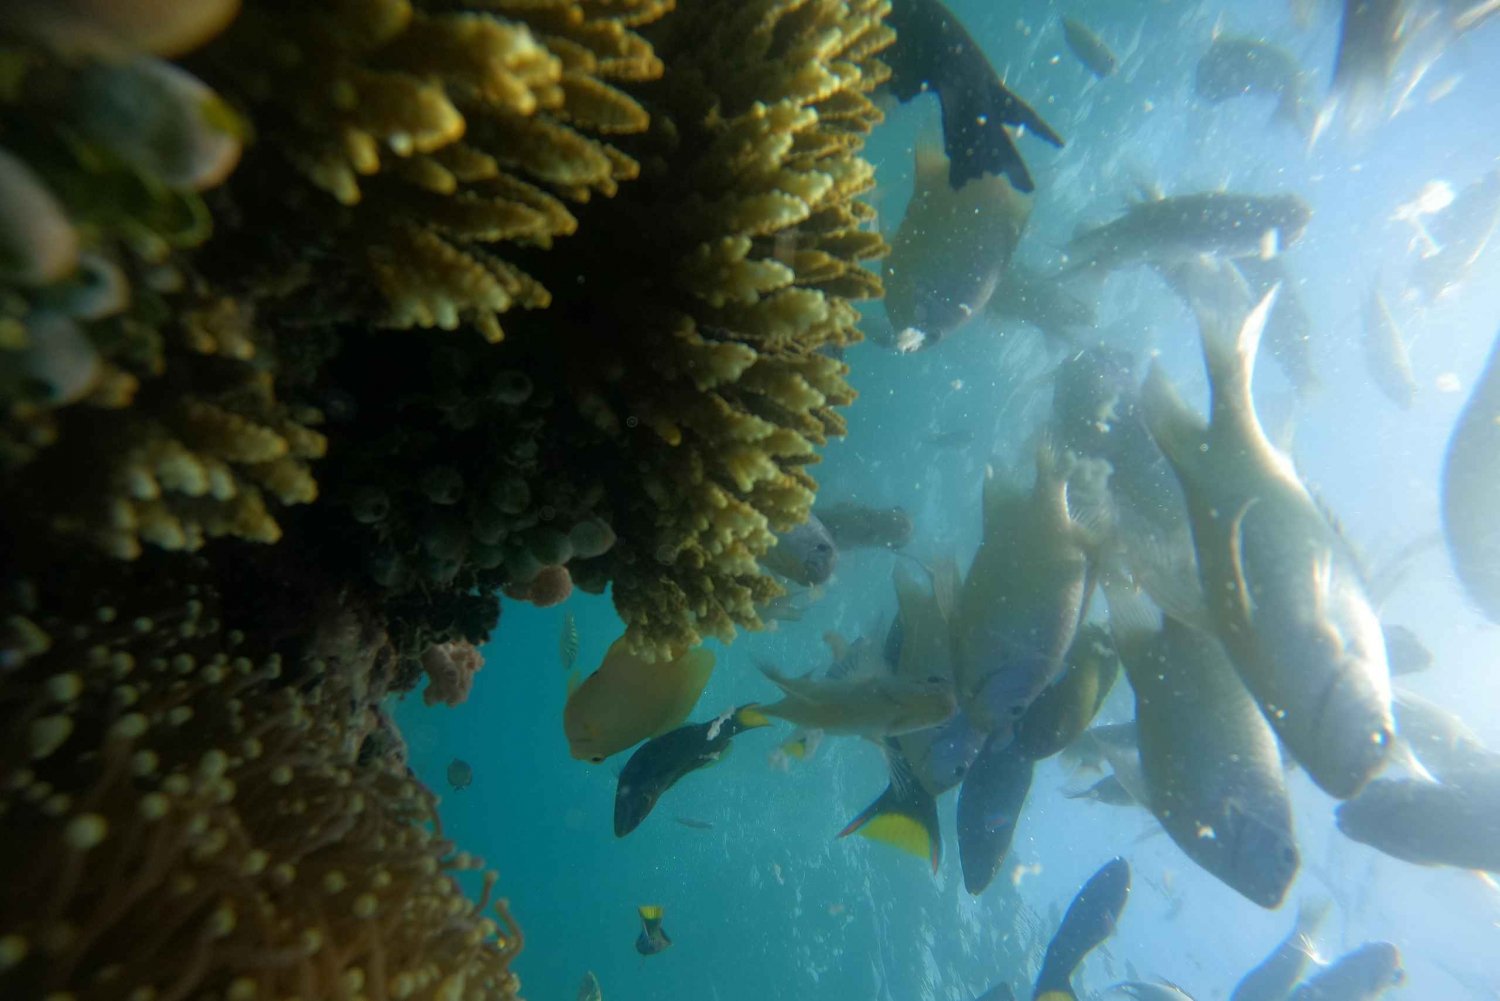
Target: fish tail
[1310,917]
[749,717]
[1231,360]
[1063,993]
[904,816]
[651,918]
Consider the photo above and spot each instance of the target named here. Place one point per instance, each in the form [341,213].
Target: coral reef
[450,671]
[322,326]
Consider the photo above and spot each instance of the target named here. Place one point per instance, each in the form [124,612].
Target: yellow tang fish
[628,700]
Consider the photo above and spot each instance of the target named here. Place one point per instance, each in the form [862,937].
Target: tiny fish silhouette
[567,642]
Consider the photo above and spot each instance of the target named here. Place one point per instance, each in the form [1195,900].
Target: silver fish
[1144,991]
[1442,742]
[1089,48]
[1453,823]
[1184,227]
[1458,236]
[1210,761]
[1361,975]
[865,706]
[1275,976]
[1285,593]
[1252,67]
[1471,491]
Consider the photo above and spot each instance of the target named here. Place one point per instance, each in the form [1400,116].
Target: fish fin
[651,915]
[795,746]
[1310,917]
[1231,365]
[750,717]
[904,816]
[837,645]
[1132,620]
[929,163]
[1056,995]
[1177,429]
[1242,605]
[1169,578]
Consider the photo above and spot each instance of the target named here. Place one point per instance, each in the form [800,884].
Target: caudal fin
[904,816]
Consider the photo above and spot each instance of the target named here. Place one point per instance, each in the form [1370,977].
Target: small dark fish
[934,52]
[904,816]
[1454,823]
[1089,48]
[855,526]
[1062,712]
[989,810]
[697,825]
[1108,791]
[1404,651]
[460,774]
[653,937]
[590,990]
[1091,918]
[1250,67]
[805,554]
[1362,975]
[1471,491]
[1276,975]
[661,762]
[567,642]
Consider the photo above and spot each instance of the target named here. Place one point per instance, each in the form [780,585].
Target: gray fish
[879,706]
[858,526]
[1022,599]
[1386,356]
[1089,48]
[1404,651]
[1275,976]
[1453,823]
[1252,67]
[949,252]
[1062,712]
[990,802]
[1471,491]
[1370,40]
[1043,302]
[1361,975]
[1212,769]
[805,554]
[1286,596]
[1184,227]
[1458,236]
[1442,742]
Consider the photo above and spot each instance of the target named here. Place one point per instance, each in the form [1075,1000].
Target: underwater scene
[749,500]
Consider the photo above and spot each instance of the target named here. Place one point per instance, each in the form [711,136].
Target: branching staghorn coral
[208,817]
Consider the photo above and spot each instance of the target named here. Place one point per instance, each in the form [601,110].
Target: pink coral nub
[450,671]
[550,587]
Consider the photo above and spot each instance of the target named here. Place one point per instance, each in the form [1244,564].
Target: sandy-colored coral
[450,668]
[441,134]
[203,817]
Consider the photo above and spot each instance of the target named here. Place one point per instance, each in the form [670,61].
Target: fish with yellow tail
[1284,592]
[1091,918]
[949,252]
[661,762]
[629,699]
[653,937]
[904,816]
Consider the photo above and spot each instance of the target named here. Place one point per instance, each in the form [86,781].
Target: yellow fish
[628,700]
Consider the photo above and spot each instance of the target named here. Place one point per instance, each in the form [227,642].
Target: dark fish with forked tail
[934,52]
[1090,919]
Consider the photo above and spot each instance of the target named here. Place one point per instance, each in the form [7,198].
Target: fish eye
[597,759]
[822,547]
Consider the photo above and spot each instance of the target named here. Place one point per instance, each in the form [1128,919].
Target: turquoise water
[767,904]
